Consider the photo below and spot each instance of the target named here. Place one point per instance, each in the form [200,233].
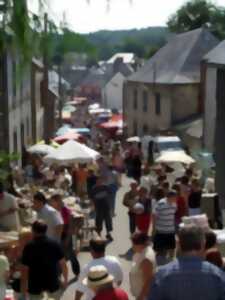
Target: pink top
[65,213]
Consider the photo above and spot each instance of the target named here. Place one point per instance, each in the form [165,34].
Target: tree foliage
[138,41]
[18,28]
[197,13]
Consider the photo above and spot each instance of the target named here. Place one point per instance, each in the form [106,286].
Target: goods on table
[198,220]
[8,239]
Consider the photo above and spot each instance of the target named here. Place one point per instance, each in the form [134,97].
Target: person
[156,197]
[25,236]
[129,200]
[189,276]
[146,180]
[213,254]
[136,167]
[91,181]
[9,219]
[143,267]
[113,183]
[194,199]
[81,180]
[182,209]
[42,264]
[97,249]
[50,215]
[100,195]
[66,239]
[4,274]
[143,219]
[185,188]
[164,225]
[101,282]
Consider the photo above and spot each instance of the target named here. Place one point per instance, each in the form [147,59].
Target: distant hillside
[143,42]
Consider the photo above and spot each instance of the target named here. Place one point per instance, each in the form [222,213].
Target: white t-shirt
[113,266]
[11,221]
[136,274]
[52,218]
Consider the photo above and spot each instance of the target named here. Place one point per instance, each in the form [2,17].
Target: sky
[123,14]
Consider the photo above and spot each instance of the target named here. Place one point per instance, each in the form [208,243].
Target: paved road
[118,247]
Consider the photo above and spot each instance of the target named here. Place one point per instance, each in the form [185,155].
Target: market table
[8,239]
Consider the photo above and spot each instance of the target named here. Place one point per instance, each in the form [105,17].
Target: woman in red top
[181,206]
[101,282]
[143,218]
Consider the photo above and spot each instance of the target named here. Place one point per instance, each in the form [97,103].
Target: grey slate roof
[217,55]
[178,62]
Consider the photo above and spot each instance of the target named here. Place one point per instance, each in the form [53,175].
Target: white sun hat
[97,276]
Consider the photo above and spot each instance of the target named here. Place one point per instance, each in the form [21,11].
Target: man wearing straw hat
[101,282]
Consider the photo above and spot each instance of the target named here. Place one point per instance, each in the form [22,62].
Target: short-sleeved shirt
[111,294]
[188,278]
[11,221]
[42,257]
[52,218]
[113,266]
[165,216]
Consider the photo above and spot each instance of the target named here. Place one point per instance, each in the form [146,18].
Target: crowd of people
[169,260]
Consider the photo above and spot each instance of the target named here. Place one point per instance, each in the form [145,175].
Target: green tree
[197,13]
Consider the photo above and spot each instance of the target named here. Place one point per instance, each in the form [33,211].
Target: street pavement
[118,247]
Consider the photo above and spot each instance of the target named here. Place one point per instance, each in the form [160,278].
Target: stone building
[166,90]
[15,108]
[213,63]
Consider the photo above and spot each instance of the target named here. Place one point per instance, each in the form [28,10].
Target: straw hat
[97,276]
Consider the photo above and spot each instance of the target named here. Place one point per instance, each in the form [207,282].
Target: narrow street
[118,247]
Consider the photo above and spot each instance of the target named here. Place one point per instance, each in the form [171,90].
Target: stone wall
[176,103]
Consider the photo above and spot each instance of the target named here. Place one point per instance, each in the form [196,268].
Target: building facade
[166,91]
[113,93]
[16,117]
[149,109]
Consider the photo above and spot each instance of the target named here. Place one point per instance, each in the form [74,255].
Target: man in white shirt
[9,219]
[164,225]
[97,248]
[50,215]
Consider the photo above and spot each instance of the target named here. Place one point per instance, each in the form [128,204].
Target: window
[145,101]
[15,145]
[22,134]
[157,104]
[135,128]
[145,129]
[135,99]
[28,128]
[14,78]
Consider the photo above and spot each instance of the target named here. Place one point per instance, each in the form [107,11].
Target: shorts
[164,241]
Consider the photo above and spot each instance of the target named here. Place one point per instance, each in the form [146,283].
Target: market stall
[70,153]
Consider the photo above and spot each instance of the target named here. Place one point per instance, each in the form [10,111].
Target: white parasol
[134,139]
[42,149]
[175,156]
[72,152]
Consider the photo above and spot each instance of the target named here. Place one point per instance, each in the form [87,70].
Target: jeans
[103,215]
[132,222]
